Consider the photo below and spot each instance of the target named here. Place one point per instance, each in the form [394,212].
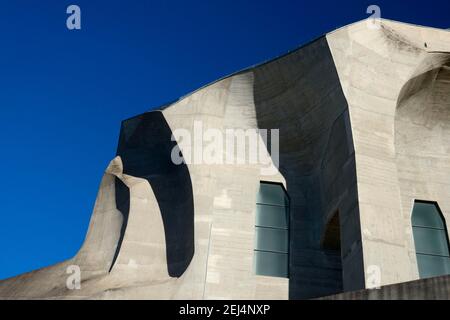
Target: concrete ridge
[270,60]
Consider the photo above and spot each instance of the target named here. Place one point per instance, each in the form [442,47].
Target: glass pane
[272,194]
[271,240]
[271,264]
[432,266]
[430,241]
[426,215]
[270,216]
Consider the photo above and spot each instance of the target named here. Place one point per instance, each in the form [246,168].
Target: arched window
[331,244]
[331,239]
[430,239]
[271,256]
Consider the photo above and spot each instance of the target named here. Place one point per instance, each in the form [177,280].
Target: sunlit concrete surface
[364,120]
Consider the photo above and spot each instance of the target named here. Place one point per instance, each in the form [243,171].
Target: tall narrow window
[272,231]
[430,239]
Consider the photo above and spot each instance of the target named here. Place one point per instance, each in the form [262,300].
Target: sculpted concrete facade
[364,130]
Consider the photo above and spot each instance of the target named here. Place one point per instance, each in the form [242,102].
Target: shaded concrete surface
[301,94]
[122,193]
[363,121]
[425,289]
[145,147]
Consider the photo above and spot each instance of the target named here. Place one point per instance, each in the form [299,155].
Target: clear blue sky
[63,93]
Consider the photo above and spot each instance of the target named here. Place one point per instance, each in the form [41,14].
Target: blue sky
[64,93]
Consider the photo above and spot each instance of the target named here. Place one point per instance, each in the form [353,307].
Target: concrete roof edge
[244,70]
[260,64]
[387,20]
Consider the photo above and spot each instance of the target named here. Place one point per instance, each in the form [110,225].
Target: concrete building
[360,197]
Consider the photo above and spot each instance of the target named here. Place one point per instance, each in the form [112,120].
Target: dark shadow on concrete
[145,147]
[300,94]
[122,193]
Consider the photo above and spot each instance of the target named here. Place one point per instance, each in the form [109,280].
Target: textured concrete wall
[301,95]
[364,129]
[145,148]
[422,139]
[376,68]
[224,198]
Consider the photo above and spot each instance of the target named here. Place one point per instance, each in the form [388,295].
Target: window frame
[445,229]
[287,208]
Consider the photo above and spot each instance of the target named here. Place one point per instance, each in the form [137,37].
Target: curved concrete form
[422,138]
[145,147]
[363,116]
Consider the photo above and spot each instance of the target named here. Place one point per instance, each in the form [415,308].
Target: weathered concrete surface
[301,94]
[394,80]
[363,115]
[425,289]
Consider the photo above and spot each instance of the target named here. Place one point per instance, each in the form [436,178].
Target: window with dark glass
[430,239]
[272,231]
